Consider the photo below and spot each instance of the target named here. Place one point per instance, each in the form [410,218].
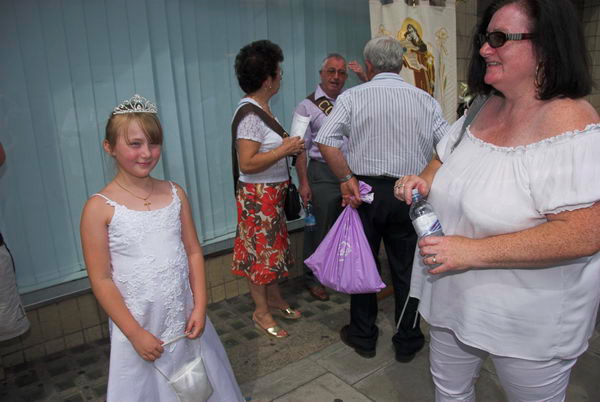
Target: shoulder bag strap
[472,113]
[322,103]
[242,112]
[275,126]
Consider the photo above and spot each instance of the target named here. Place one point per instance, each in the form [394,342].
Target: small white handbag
[190,381]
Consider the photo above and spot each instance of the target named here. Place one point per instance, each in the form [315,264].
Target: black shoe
[405,358]
[367,354]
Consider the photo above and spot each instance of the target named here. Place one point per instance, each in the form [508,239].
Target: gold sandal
[271,331]
[288,313]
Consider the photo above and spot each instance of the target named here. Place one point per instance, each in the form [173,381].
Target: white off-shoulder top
[483,190]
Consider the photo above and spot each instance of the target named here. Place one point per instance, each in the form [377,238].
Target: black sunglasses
[497,39]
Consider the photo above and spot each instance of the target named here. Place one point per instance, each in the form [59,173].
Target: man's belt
[322,103]
[384,178]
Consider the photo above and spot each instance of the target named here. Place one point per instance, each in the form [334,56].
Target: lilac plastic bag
[344,261]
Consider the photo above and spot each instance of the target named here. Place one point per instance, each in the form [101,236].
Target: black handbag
[292,205]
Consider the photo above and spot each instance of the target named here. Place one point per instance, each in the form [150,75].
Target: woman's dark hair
[559,45]
[255,63]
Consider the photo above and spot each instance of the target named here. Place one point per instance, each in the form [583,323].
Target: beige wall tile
[50,321]
[224,264]
[11,345]
[214,274]
[12,359]
[92,334]
[104,329]
[217,293]
[35,334]
[461,28]
[55,345]
[243,286]
[75,339]
[88,308]
[231,289]
[102,314]
[34,352]
[69,316]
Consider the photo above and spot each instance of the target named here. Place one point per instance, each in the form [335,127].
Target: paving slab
[311,365]
[594,347]
[346,364]
[263,355]
[584,384]
[325,388]
[400,381]
[282,381]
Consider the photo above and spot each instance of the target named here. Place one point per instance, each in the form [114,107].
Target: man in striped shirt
[391,129]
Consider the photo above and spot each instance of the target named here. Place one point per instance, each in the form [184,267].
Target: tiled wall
[223,285]
[591,25]
[466,19]
[55,327]
[80,319]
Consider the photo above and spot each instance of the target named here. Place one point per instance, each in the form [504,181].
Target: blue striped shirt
[392,127]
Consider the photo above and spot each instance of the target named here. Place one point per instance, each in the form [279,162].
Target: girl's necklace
[145,199]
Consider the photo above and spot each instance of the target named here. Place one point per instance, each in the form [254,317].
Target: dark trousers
[327,206]
[387,218]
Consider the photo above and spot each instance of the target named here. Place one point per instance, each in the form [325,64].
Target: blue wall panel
[67,63]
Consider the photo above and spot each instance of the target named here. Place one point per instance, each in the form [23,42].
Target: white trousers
[455,368]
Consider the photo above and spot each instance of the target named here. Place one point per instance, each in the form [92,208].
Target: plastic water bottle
[309,219]
[423,217]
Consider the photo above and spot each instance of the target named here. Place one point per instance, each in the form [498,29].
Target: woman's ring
[433,260]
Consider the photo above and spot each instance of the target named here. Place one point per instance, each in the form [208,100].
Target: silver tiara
[137,104]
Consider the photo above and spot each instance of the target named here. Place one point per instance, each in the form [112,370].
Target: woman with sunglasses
[516,277]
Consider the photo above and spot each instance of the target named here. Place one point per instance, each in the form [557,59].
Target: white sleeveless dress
[150,269]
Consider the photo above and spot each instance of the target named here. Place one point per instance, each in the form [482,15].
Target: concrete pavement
[312,364]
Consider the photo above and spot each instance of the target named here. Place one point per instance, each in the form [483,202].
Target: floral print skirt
[261,249]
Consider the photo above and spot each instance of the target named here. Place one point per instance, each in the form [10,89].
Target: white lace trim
[108,200]
[174,197]
[588,130]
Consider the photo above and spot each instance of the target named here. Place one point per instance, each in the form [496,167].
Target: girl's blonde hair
[148,122]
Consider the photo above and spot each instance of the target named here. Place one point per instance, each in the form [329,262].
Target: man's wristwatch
[347,177]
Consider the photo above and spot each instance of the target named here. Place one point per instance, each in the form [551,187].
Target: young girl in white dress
[146,268]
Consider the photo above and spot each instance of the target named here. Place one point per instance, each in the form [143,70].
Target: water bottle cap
[415,191]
